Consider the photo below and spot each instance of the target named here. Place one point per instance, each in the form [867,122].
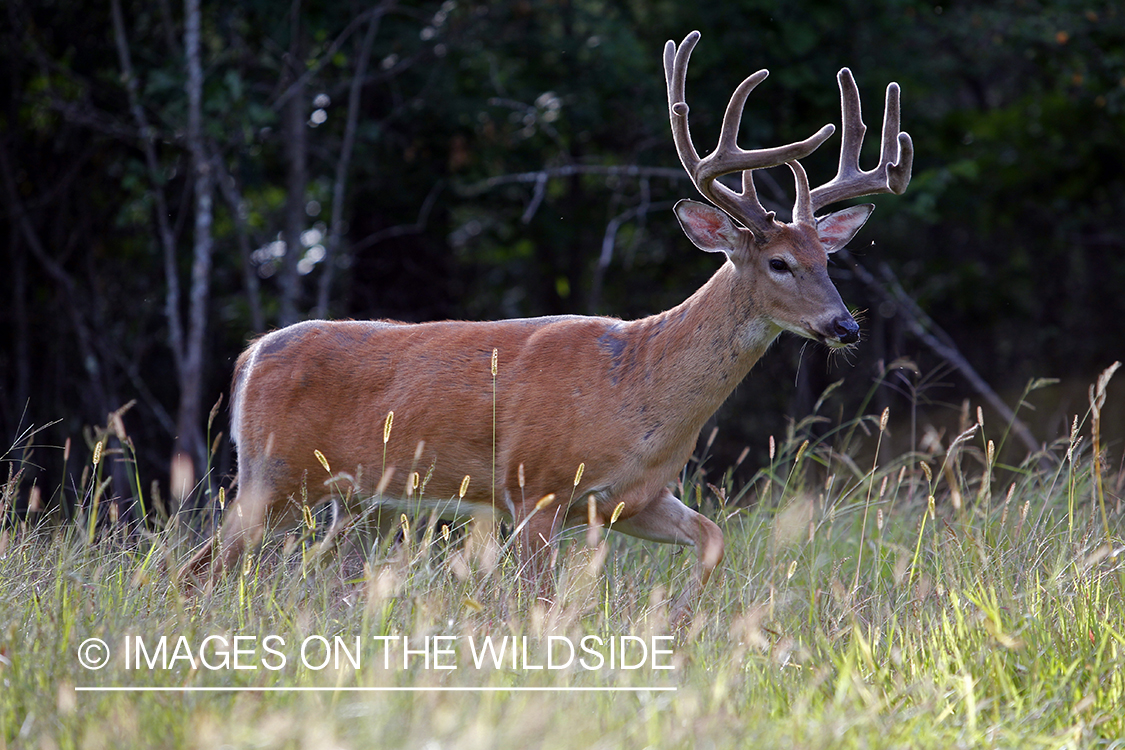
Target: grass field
[929,600]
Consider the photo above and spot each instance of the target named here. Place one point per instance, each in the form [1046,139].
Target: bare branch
[164,229]
[303,80]
[940,342]
[56,272]
[343,162]
[536,198]
[400,230]
[233,196]
[569,170]
[609,240]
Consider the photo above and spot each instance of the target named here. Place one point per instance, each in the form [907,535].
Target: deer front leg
[537,542]
[666,519]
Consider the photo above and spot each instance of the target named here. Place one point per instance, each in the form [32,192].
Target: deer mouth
[838,333]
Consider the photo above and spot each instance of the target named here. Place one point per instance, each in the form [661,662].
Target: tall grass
[933,599]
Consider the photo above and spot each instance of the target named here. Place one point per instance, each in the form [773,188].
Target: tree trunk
[189,427]
[294,130]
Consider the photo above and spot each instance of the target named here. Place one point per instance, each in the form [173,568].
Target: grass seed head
[119,424]
[182,475]
[323,461]
[387,427]
[210,417]
[464,487]
[578,474]
[1103,383]
[591,521]
[617,513]
[384,481]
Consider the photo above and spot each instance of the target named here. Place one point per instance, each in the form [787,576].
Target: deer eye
[778,265]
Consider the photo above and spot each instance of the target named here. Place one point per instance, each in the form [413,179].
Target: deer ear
[708,228]
[837,229]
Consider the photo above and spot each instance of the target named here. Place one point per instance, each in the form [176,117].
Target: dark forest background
[175,178]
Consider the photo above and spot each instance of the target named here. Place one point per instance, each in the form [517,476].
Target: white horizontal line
[227,689]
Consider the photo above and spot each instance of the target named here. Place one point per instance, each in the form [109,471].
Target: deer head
[783,266]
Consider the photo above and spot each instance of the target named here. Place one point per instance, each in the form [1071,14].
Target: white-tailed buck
[625,399]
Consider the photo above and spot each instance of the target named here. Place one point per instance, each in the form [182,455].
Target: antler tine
[675,74]
[898,172]
[802,208]
[727,156]
[732,117]
[896,153]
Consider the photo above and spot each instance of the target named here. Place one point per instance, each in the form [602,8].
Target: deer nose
[846,329]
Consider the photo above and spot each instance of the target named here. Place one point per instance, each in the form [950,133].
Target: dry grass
[937,600]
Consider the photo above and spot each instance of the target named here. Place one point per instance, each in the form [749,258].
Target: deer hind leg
[244,521]
[372,529]
[666,519]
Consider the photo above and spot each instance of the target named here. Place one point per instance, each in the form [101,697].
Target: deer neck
[686,361]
